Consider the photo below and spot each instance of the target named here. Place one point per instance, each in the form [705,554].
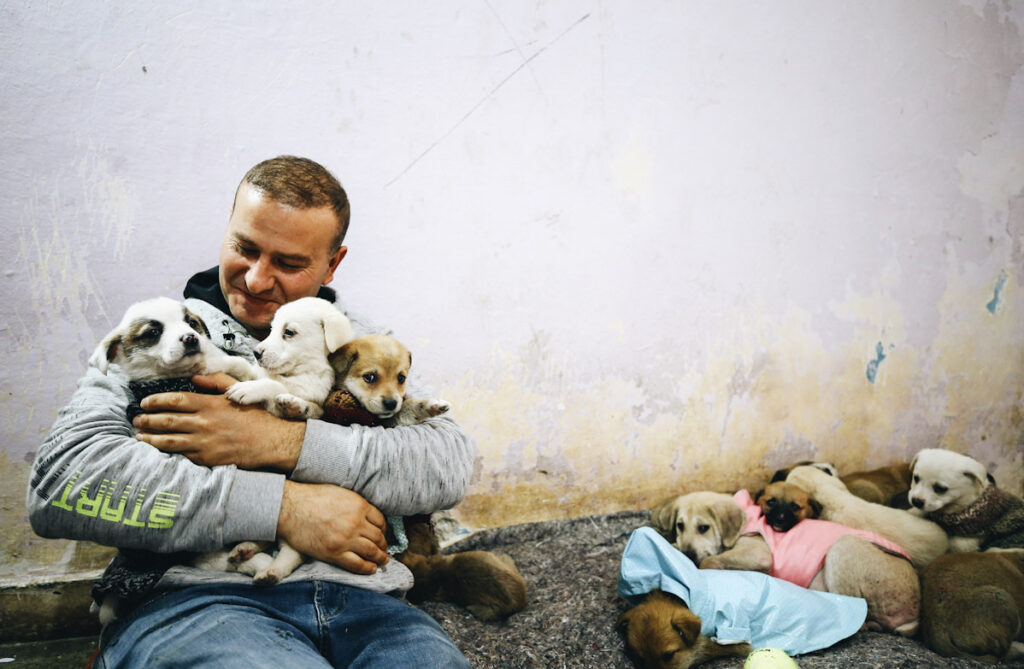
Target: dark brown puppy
[972,605]
[784,505]
[488,584]
[662,632]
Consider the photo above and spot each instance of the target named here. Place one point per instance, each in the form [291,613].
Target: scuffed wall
[642,249]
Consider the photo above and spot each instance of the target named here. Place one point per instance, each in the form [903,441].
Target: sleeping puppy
[161,339]
[973,605]
[784,505]
[923,540]
[370,373]
[297,375]
[957,492]
[663,633]
[719,531]
[885,485]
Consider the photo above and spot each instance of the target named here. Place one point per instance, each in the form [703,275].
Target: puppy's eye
[703,528]
[771,502]
[940,489]
[288,333]
[401,378]
[680,527]
[667,657]
[370,378]
[192,323]
[152,333]
[917,479]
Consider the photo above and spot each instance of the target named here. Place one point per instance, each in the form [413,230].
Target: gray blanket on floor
[571,569]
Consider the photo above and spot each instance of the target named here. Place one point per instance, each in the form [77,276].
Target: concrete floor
[71,653]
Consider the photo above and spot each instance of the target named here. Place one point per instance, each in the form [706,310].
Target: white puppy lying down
[296,379]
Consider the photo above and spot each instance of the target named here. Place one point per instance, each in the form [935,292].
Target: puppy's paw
[266,577]
[438,407]
[243,552]
[290,406]
[247,392]
[713,562]
[425,408]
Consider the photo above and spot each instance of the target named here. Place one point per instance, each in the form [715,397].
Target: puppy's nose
[389,403]
[190,340]
[918,502]
[258,354]
[691,555]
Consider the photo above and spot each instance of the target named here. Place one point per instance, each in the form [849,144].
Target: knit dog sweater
[996,515]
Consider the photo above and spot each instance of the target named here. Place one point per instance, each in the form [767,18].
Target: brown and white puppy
[784,505]
[708,528]
[374,370]
[487,584]
[957,492]
[160,338]
[922,539]
[661,632]
[973,605]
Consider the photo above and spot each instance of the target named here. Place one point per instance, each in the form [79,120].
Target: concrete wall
[643,247]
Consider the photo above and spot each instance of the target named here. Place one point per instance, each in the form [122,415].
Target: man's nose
[259,278]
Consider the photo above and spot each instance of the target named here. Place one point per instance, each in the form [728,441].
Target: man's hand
[333,524]
[211,430]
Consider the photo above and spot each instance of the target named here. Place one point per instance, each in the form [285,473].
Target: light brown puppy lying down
[885,485]
[709,528]
[922,539]
[662,632]
[973,605]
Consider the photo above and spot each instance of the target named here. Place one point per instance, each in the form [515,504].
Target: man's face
[273,254]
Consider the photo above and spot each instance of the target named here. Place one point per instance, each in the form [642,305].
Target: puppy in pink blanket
[816,554]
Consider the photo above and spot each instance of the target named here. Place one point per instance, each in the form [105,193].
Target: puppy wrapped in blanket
[735,607]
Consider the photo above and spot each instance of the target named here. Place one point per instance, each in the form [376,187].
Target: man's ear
[333,262]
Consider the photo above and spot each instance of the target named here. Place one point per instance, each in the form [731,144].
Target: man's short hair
[303,184]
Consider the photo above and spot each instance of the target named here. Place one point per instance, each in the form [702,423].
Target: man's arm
[93,480]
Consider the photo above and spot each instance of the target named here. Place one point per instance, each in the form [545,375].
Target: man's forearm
[402,470]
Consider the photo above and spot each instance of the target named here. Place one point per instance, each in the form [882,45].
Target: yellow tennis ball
[769,658]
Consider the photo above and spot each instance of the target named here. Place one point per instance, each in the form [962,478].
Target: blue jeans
[285,626]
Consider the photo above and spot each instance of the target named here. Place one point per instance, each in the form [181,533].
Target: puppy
[487,584]
[923,540]
[160,339]
[372,371]
[973,605]
[663,633]
[784,505]
[957,492]
[885,485]
[719,531]
[294,358]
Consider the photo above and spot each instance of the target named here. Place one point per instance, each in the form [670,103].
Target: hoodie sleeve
[92,480]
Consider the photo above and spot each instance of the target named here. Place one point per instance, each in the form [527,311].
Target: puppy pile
[905,538]
[310,358]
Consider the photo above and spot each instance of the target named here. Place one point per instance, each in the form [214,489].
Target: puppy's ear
[759,494]
[343,358]
[779,475]
[731,519]
[337,329]
[106,351]
[663,517]
[687,625]
[622,624]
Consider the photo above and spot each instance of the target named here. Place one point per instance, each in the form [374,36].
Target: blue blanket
[737,606]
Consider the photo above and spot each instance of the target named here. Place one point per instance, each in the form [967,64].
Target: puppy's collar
[978,517]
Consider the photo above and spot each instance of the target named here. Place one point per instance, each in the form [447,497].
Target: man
[205,473]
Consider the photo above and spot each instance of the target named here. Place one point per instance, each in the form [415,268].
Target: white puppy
[161,339]
[298,375]
[957,492]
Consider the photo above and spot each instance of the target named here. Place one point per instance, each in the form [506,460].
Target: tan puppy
[922,539]
[784,505]
[973,605]
[885,485]
[708,528]
[374,370]
[663,633]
